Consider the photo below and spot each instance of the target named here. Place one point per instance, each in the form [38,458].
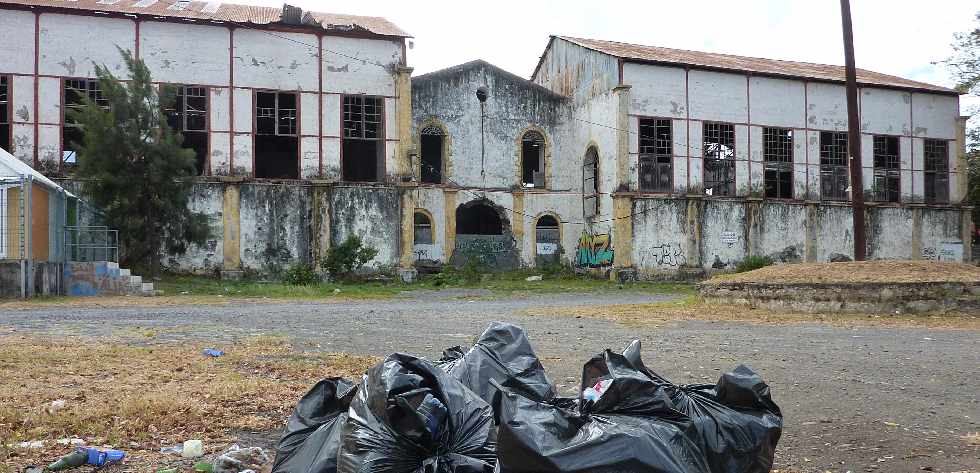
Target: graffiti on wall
[946,251]
[498,252]
[668,254]
[594,251]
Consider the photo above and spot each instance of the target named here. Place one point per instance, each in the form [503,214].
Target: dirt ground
[859,394]
[858,272]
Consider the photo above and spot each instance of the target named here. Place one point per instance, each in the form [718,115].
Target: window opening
[532,160]
[188,116]
[423,229]
[590,183]
[777,156]
[656,155]
[887,177]
[75,92]
[432,142]
[719,159]
[834,172]
[276,141]
[5,113]
[478,219]
[363,142]
[936,171]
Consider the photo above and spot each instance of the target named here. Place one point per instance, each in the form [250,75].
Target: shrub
[342,260]
[300,274]
[753,262]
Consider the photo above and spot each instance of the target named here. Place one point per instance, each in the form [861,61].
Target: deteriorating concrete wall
[574,71]
[371,213]
[274,226]
[207,198]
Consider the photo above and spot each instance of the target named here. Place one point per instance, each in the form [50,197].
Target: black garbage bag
[311,440]
[503,354]
[631,425]
[410,416]
[736,418]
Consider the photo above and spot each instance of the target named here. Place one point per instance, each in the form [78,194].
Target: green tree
[135,170]
[965,67]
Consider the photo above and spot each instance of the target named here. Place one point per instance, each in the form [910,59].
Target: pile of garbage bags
[492,409]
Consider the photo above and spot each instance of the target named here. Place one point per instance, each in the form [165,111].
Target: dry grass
[972,439]
[693,308]
[858,272]
[140,398]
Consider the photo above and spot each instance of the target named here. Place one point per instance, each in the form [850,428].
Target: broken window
[75,93]
[188,116]
[547,235]
[590,183]
[478,219]
[276,141]
[432,141]
[777,157]
[363,143]
[532,159]
[719,159]
[5,113]
[423,229]
[656,155]
[834,173]
[936,171]
[886,187]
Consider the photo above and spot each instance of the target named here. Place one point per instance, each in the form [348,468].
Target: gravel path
[854,399]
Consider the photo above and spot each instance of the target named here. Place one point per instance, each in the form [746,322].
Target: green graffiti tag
[594,251]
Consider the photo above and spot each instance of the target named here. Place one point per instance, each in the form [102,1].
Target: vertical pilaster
[916,233]
[517,227]
[231,217]
[403,92]
[810,244]
[959,187]
[408,228]
[622,138]
[622,238]
[321,222]
[694,207]
[449,196]
[967,235]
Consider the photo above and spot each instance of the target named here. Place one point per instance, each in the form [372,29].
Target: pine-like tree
[135,170]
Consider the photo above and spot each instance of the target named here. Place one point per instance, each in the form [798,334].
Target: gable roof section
[223,12]
[743,64]
[443,74]
[13,167]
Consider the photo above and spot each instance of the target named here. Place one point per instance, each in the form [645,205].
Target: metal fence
[91,243]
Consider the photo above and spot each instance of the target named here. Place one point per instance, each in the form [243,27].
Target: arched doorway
[483,237]
[547,240]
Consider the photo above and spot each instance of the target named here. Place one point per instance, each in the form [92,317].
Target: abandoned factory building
[630,159]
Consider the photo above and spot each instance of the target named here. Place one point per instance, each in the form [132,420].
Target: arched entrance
[483,237]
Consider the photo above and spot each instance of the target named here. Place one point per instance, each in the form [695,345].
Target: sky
[899,37]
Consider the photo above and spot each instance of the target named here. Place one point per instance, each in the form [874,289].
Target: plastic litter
[87,456]
[311,440]
[237,459]
[214,353]
[503,354]
[192,449]
[411,416]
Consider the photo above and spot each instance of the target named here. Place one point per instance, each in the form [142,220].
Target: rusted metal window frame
[590,173]
[354,111]
[834,171]
[5,110]
[935,160]
[777,160]
[887,177]
[278,113]
[180,108]
[416,225]
[723,172]
[655,151]
[432,130]
[82,87]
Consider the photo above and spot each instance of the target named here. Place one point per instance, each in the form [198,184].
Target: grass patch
[507,283]
[692,307]
[141,398]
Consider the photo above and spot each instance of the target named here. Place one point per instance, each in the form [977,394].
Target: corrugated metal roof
[217,11]
[748,64]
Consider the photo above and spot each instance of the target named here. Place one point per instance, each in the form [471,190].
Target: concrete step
[123,272]
[147,287]
[135,280]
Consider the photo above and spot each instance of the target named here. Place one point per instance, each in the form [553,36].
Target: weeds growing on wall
[753,262]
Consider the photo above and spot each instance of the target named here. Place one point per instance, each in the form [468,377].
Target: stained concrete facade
[584,105]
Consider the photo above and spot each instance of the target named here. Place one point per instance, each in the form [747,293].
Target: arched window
[432,141]
[423,229]
[532,159]
[547,235]
[590,183]
[478,219]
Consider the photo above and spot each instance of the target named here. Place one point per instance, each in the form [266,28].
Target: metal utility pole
[853,134]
